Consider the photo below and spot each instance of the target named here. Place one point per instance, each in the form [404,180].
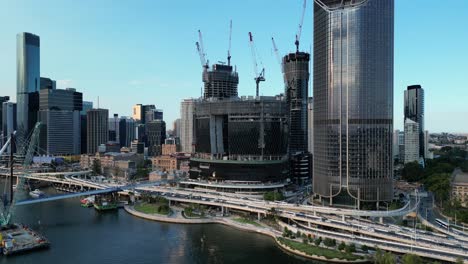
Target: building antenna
[98,102]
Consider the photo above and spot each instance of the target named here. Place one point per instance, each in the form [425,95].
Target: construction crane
[229,50]
[201,51]
[275,49]
[299,30]
[259,77]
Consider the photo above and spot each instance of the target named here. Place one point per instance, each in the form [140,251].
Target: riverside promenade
[176,216]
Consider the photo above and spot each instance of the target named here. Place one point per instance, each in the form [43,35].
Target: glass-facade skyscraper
[353,100]
[27,82]
[414,110]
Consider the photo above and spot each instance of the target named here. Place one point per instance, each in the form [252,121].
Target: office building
[310,125]
[411,141]
[126,131]
[8,120]
[3,136]
[396,144]
[176,127]
[83,126]
[220,82]
[114,128]
[240,139]
[153,114]
[187,110]
[59,114]
[296,78]
[353,101]
[139,112]
[97,129]
[414,110]
[156,134]
[27,82]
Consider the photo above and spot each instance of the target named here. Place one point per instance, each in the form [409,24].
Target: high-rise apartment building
[27,82]
[187,110]
[353,100]
[411,141]
[97,128]
[59,114]
[414,110]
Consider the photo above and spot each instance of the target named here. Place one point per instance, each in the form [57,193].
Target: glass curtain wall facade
[28,81]
[353,100]
[414,110]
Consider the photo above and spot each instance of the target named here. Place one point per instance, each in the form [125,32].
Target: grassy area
[246,221]
[317,251]
[150,208]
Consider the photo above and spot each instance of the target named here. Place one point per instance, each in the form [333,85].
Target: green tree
[273,196]
[364,248]
[341,246]
[412,172]
[350,248]
[96,167]
[318,241]
[382,257]
[328,242]
[459,260]
[411,259]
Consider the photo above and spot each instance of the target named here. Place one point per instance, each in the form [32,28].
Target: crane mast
[299,30]
[229,50]
[259,77]
[201,51]
[275,49]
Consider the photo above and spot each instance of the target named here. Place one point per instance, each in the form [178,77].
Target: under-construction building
[241,139]
[296,78]
[220,82]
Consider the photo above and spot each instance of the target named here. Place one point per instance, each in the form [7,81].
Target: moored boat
[37,194]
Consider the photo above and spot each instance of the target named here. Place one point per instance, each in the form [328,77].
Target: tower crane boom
[201,51]
[259,77]
[229,50]
[299,30]
[275,49]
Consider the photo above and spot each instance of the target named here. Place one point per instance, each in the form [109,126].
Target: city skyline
[80,57]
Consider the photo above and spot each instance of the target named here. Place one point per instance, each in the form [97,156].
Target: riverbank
[177,217]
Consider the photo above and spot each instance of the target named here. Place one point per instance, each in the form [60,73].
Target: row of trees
[382,257]
[328,242]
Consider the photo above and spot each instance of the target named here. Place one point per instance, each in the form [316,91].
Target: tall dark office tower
[3,99]
[97,128]
[353,100]
[220,82]
[59,114]
[83,126]
[126,131]
[156,134]
[296,77]
[27,82]
[414,110]
[8,119]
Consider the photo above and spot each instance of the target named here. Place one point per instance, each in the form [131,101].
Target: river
[83,235]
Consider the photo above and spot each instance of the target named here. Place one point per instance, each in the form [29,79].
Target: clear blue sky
[130,52]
